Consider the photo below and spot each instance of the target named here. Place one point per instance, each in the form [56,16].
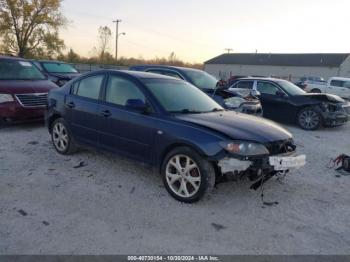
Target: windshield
[290,88]
[19,70]
[59,68]
[201,79]
[181,97]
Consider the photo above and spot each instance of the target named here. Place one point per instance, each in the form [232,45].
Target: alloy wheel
[309,119]
[60,137]
[183,176]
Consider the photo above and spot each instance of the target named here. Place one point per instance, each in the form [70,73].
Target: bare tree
[104,40]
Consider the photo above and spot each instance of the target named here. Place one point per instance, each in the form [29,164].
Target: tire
[316,91]
[309,119]
[62,138]
[186,175]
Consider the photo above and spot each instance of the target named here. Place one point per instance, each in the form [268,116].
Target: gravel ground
[114,206]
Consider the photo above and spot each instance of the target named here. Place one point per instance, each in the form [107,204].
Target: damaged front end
[335,114]
[260,162]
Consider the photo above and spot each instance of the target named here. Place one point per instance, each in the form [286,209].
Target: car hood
[324,97]
[65,76]
[23,87]
[239,126]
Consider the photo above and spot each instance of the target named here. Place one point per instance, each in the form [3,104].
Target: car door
[122,130]
[81,105]
[273,99]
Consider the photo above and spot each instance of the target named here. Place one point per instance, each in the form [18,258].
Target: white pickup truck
[336,85]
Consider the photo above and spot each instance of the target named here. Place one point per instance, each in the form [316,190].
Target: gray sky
[197,30]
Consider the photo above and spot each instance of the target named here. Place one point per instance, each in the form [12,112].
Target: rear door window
[89,87]
[245,84]
[267,88]
[337,83]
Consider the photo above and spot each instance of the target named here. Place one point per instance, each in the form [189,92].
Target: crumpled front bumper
[339,117]
[264,168]
[271,163]
[335,119]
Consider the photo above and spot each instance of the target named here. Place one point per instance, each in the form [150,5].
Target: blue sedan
[168,124]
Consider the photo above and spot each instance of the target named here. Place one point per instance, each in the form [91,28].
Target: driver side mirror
[136,105]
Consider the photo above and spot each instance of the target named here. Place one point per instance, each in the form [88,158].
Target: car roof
[138,74]
[260,78]
[178,68]
[49,61]
[15,58]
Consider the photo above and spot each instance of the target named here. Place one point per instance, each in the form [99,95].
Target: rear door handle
[106,113]
[71,105]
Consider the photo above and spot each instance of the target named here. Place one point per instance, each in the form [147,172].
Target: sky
[198,30]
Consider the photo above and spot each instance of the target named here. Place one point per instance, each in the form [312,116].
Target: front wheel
[309,119]
[186,175]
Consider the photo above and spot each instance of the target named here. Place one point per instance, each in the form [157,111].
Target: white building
[287,66]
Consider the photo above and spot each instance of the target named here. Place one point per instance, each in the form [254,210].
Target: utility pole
[228,50]
[116,37]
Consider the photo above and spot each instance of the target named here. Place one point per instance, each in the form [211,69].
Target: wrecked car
[170,125]
[247,103]
[283,101]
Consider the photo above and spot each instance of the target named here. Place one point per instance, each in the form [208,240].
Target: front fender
[174,134]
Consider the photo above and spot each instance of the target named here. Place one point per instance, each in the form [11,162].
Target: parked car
[58,72]
[248,103]
[169,124]
[284,101]
[336,85]
[304,81]
[23,90]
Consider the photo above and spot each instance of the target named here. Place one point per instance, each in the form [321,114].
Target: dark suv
[23,90]
[168,124]
[240,101]
[58,72]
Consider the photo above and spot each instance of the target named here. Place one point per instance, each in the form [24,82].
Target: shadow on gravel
[21,126]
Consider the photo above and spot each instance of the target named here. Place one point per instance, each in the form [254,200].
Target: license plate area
[285,163]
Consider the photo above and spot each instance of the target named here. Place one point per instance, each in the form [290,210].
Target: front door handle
[106,113]
[71,105]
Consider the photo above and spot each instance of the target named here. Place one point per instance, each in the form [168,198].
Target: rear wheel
[186,175]
[62,138]
[309,119]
